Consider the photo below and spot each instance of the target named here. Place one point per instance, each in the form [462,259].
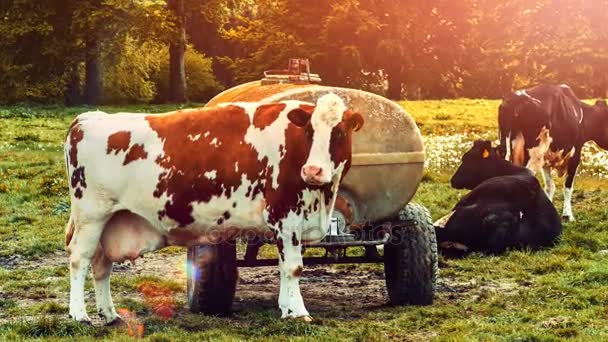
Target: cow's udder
[127,236]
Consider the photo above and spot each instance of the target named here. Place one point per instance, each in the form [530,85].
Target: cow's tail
[69,232]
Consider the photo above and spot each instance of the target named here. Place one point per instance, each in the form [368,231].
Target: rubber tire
[410,258]
[211,278]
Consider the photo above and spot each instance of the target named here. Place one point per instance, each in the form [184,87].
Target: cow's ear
[299,117]
[355,121]
[485,153]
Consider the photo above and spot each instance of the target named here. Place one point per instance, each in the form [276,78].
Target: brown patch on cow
[298,271]
[78,181]
[136,152]
[118,142]
[76,135]
[294,239]
[187,237]
[341,141]
[280,248]
[265,115]
[185,160]
[69,232]
[75,264]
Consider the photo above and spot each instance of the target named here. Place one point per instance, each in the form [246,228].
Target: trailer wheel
[410,258]
[212,276]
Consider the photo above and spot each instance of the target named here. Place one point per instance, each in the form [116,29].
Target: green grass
[556,294]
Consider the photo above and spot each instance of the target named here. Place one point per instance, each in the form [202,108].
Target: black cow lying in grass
[507,208]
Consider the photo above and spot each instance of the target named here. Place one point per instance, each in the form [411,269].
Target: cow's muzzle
[314,175]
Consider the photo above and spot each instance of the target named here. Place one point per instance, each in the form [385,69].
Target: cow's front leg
[290,268]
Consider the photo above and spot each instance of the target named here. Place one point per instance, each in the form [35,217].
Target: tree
[177,49]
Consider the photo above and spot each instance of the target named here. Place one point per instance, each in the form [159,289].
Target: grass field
[557,294]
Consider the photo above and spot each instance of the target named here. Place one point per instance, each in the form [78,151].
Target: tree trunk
[395,82]
[177,49]
[72,88]
[93,82]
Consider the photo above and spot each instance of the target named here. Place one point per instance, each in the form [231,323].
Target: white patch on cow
[91,115]
[236,167]
[248,213]
[214,142]
[103,299]
[206,134]
[211,174]
[328,113]
[567,213]
[549,183]
[537,153]
[194,138]
[509,142]
[266,142]
[564,86]
[525,93]
[78,309]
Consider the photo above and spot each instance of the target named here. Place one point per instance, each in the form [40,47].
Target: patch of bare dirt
[328,291]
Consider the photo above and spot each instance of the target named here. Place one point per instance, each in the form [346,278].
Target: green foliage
[128,75]
[200,80]
[429,49]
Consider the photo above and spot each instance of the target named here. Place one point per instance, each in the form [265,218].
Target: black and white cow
[545,128]
[506,208]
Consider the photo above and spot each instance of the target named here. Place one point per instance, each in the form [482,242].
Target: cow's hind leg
[569,185]
[82,247]
[290,268]
[549,183]
[102,267]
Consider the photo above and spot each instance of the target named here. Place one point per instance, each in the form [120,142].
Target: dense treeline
[93,51]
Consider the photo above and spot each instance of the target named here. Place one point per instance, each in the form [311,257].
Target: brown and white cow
[545,128]
[142,182]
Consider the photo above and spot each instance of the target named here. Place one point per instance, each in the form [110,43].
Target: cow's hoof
[567,218]
[86,322]
[305,319]
[117,323]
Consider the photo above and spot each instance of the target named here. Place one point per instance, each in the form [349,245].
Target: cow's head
[328,126]
[481,162]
